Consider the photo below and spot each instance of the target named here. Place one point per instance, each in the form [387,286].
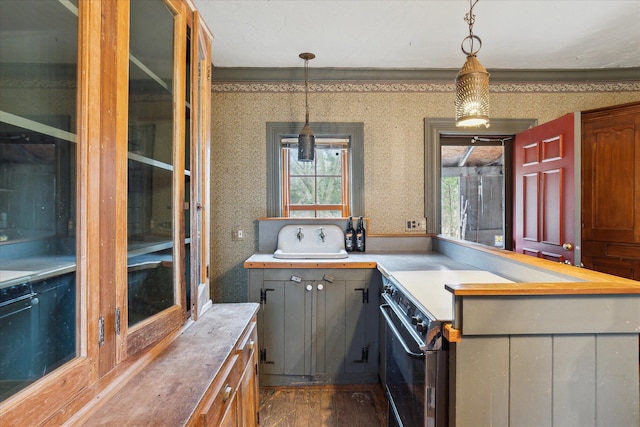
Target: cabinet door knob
[567,246]
[320,286]
[227,393]
[309,287]
[251,344]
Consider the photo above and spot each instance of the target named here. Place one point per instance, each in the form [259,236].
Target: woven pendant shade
[472,94]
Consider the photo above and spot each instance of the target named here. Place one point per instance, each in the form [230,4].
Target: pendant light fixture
[306,139]
[472,81]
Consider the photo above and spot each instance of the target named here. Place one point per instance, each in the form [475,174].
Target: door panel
[609,156]
[551,207]
[544,190]
[530,207]
[611,190]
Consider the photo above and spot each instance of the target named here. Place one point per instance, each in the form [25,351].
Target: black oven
[415,362]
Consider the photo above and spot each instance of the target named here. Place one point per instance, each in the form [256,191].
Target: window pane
[151,80]
[38,62]
[300,168]
[149,239]
[303,214]
[150,180]
[329,191]
[150,281]
[451,220]
[328,162]
[302,191]
[472,193]
[329,214]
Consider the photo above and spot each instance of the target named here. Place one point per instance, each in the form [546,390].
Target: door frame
[433,129]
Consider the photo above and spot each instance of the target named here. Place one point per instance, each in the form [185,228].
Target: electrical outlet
[416,224]
[237,234]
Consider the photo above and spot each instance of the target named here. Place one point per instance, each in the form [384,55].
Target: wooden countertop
[561,288]
[268,261]
[170,387]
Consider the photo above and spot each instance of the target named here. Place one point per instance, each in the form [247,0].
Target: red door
[543,216]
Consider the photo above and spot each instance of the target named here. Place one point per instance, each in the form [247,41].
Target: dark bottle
[349,236]
[360,236]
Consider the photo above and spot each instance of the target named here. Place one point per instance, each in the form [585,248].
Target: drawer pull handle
[227,393]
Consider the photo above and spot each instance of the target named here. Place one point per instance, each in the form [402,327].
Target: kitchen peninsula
[557,346]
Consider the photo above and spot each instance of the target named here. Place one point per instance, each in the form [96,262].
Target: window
[472,190]
[331,186]
[317,189]
[440,185]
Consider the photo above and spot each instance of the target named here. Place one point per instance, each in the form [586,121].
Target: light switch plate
[237,234]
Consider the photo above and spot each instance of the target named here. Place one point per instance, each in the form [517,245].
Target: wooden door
[611,190]
[544,199]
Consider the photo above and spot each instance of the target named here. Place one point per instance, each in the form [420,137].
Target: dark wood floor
[327,406]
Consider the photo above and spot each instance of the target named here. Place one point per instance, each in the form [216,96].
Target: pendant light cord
[306,90]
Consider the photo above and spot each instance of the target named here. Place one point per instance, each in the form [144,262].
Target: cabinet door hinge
[365,295]
[262,357]
[118,321]
[101,330]
[263,294]
[364,356]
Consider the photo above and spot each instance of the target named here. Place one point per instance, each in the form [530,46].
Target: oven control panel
[412,314]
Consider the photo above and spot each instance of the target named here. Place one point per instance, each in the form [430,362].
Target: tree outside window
[317,189]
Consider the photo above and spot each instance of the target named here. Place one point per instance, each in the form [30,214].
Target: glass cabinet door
[99,193]
[199,173]
[38,82]
[155,159]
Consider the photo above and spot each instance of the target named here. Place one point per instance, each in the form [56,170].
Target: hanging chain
[470,19]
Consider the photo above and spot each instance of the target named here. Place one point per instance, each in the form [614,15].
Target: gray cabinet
[321,329]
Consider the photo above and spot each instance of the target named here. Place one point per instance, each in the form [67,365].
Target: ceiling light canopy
[306,139]
[472,81]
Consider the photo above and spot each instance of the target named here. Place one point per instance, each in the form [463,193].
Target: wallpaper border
[417,87]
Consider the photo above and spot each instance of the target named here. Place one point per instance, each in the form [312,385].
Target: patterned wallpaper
[393,115]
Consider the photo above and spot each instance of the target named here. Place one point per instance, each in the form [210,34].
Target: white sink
[310,242]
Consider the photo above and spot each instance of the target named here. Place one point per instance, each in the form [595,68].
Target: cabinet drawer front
[220,396]
[247,346]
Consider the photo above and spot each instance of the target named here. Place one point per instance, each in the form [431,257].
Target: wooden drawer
[247,346]
[221,395]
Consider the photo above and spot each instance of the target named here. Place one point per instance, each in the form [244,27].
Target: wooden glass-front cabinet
[104,224]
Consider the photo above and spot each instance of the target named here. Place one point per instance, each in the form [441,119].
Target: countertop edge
[560,288]
[310,264]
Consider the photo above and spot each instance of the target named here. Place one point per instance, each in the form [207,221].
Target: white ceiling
[424,34]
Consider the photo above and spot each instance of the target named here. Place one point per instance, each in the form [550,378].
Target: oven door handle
[395,331]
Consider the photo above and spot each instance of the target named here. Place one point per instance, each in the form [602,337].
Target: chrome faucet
[322,235]
[300,234]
